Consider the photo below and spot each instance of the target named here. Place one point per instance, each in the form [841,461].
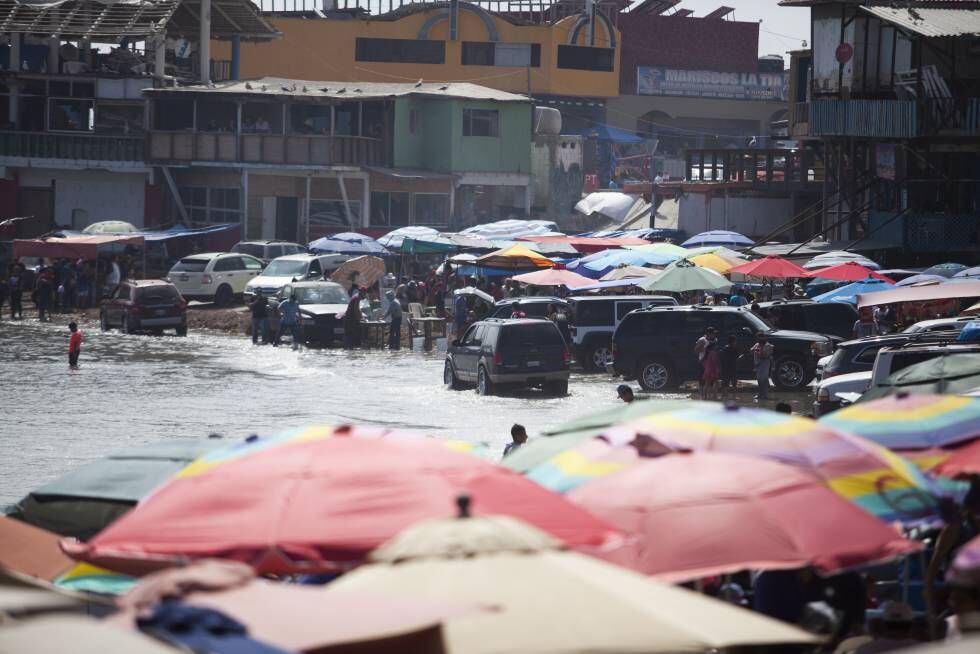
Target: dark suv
[834,319]
[523,352]
[594,319]
[656,346]
[145,305]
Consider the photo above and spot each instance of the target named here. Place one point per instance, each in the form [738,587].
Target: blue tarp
[609,133]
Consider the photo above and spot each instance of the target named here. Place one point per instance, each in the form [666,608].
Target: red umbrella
[554,277]
[963,462]
[849,272]
[774,267]
[706,513]
[319,500]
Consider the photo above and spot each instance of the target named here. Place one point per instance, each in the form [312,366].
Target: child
[712,371]
[74,345]
[729,366]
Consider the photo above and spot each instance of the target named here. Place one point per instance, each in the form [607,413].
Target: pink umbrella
[849,272]
[554,277]
[772,267]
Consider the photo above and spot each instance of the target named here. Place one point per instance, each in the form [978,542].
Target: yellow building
[550,61]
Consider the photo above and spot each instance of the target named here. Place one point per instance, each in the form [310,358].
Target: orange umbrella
[772,267]
[516,257]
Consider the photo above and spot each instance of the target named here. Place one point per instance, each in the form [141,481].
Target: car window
[285,268]
[905,359]
[867,355]
[190,264]
[326,294]
[535,309]
[593,314]
[254,249]
[787,317]
[470,337]
[121,292]
[156,294]
[315,268]
[623,308]
[251,263]
[520,336]
[291,249]
[225,264]
[274,251]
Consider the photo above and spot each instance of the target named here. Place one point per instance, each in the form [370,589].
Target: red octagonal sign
[844,52]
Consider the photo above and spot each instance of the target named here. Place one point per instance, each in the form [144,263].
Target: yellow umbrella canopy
[717,262]
[515,257]
[550,600]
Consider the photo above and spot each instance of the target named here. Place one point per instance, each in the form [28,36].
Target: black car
[594,319]
[524,352]
[534,307]
[322,306]
[859,355]
[656,346]
[831,318]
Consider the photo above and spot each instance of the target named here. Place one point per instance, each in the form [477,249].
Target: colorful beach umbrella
[911,422]
[848,293]
[849,271]
[716,262]
[582,463]
[671,249]
[963,462]
[771,267]
[553,277]
[706,513]
[719,237]
[317,500]
[515,257]
[876,479]
[685,276]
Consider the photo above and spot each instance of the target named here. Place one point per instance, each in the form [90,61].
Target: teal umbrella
[685,276]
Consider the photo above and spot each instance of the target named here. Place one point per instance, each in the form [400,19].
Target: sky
[782,28]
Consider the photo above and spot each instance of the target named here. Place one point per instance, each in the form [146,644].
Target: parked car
[955,324]
[656,346]
[266,251]
[144,305]
[322,306]
[859,355]
[524,352]
[831,318]
[217,277]
[535,306]
[833,392]
[594,320]
[293,268]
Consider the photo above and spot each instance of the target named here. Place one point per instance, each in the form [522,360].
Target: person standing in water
[74,344]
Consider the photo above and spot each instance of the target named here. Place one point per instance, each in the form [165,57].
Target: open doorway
[287,218]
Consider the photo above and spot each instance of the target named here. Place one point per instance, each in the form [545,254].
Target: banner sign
[885,160]
[711,84]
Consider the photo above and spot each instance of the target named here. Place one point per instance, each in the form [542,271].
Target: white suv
[217,277]
[294,267]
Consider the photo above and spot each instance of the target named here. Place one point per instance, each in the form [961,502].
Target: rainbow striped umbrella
[911,422]
[876,479]
[593,459]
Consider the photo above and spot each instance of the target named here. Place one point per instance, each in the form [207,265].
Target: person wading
[394,316]
[259,307]
[74,344]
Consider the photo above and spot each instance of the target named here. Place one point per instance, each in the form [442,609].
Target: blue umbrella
[969,272]
[348,243]
[848,294]
[598,264]
[945,269]
[922,277]
[718,237]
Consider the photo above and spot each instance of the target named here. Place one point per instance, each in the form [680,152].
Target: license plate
[160,312]
[183,278]
[533,364]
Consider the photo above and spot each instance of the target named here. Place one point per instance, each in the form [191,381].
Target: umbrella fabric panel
[968,272]
[849,293]
[34,552]
[718,237]
[393,239]
[685,276]
[964,461]
[57,634]
[553,277]
[921,279]
[849,271]
[593,459]
[773,267]
[512,229]
[517,257]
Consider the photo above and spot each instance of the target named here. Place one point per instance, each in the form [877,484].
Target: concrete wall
[627,112]
[102,195]
[751,216]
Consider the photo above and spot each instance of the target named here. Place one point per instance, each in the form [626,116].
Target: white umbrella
[110,227]
[393,240]
[470,290]
[508,230]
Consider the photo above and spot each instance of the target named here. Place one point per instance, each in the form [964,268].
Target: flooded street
[138,389]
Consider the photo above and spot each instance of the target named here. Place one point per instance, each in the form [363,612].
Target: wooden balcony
[78,147]
[271,149]
[775,170]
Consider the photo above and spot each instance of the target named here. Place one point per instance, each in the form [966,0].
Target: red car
[145,305]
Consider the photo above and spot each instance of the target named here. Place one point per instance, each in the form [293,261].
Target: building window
[390,208]
[431,209]
[71,115]
[111,118]
[401,51]
[583,57]
[331,213]
[173,115]
[347,119]
[481,122]
[501,54]
[309,119]
[211,205]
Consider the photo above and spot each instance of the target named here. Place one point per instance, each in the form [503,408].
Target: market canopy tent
[74,247]
[921,294]
[553,277]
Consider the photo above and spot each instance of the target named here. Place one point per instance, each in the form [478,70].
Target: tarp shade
[921,294]
[72,247]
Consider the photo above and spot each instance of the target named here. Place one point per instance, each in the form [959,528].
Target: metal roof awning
[116,19]
[932,23]
[409,173]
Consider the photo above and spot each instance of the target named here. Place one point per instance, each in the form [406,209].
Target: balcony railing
[887,118]
[273,149]
[53,145]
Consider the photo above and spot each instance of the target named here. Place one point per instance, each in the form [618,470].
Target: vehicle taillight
[567,356]
[181,304]
[498,358]
[205,279]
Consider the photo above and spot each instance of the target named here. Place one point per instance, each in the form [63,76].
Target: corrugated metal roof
[931,22]
[277,86]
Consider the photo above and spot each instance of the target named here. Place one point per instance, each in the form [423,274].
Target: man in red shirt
[74,345]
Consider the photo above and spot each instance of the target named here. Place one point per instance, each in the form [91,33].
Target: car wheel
[597,358]
[483,384]
[103,321]
[449,377]
[181,331]
[790,374]
[126,329]
[558,388]
[223,296]
[655,375]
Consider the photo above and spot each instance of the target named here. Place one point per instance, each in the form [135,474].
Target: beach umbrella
[553,277]
[969,272]
[839,256]
[719,237]
[771,267]
[672,249]
[365,270]
[472,290]
[318,499]
[921,278]
[965,570]
[945,269]
[685,276]
[348,243]
[87,499]
[111,227]
[627,272]
[438,244]
[601,263]
[516,257]
[910,422]
[512,229]
[549,600]
[876,479]
[848,271]
[719,263]
[706,513]
[720,250]
[944,374]
[972,310]
[393,239]
[58,634]
[963,462]
[849,292]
